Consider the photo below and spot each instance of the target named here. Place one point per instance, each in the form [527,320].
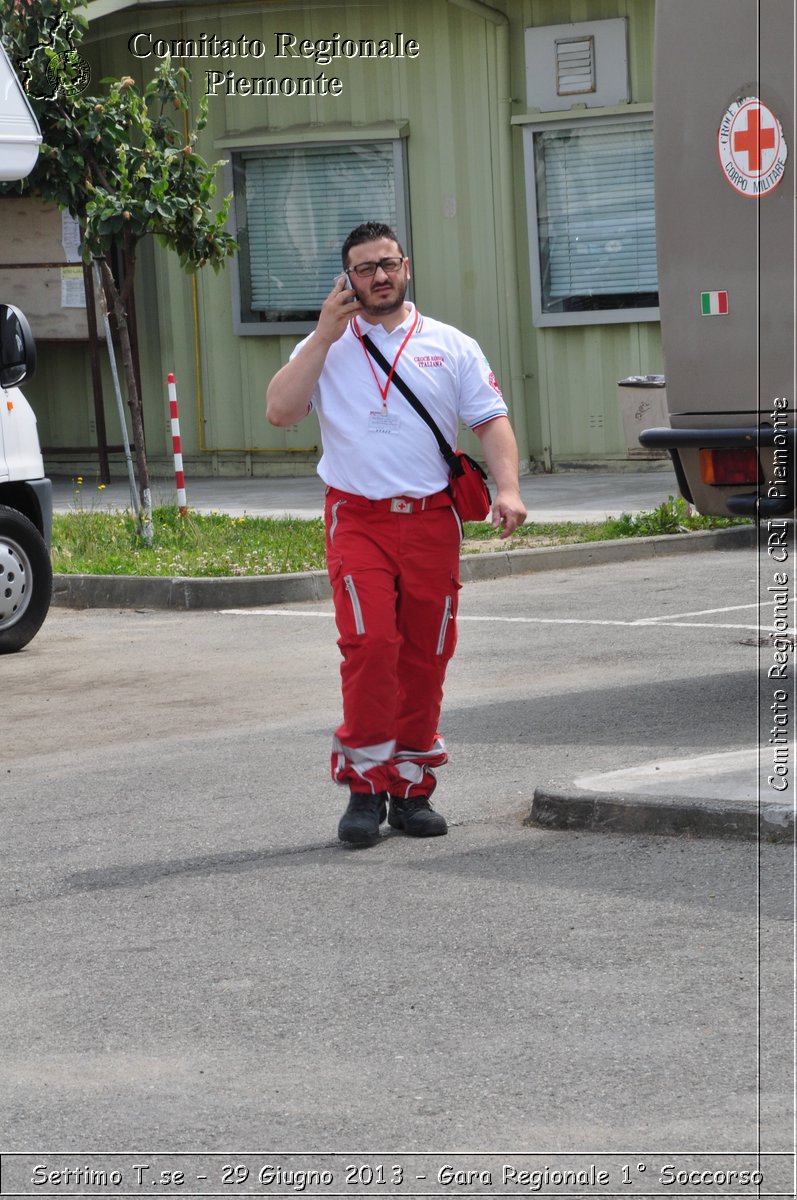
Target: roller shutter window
[595,217]
[294,208]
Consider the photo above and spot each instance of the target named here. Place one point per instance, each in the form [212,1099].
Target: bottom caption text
[334,1174]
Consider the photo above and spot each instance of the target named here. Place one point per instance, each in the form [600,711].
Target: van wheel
[26,580]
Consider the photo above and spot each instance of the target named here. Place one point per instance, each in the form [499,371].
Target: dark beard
[379,310]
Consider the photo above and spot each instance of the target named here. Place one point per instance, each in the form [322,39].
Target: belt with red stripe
[396,504]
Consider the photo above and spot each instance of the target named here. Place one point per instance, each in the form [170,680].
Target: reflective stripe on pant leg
[363,768]
[415,769]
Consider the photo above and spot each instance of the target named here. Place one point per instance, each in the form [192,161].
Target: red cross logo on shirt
[752,140]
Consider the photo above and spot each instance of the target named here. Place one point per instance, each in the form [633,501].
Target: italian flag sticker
[713,304]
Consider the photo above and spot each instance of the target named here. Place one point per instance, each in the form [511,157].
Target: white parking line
[701,612]
[272,612]
[639,622]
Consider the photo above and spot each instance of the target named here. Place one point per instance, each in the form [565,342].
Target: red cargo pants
[394,569]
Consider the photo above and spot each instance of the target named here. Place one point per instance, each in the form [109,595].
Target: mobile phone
[349,285]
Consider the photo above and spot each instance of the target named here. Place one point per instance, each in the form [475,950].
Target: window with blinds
[595,217]
[294,207]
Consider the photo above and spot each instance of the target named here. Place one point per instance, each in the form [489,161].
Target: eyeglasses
[367,269]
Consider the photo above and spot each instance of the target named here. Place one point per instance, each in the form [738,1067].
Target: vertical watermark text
[778,707]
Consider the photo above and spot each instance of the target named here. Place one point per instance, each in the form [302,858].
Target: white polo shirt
[374,442]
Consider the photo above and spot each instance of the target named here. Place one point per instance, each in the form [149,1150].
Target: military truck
[724,158]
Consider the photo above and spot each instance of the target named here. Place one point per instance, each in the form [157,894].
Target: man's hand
[509,512]
[337,310]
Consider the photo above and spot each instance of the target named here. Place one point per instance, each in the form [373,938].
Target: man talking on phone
[392,534]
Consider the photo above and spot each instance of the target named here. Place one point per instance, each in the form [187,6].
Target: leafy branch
[123,163]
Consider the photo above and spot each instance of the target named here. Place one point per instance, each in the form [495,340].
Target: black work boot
[360,823]
[416,817]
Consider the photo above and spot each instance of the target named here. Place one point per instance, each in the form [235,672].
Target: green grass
[671,516]
[102,543]
[99,543]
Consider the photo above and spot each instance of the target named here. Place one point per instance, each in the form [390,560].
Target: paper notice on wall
[70,237]
[73,294]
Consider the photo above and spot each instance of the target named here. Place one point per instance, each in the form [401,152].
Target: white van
[26,506]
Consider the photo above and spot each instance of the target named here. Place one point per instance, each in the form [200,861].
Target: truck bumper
[742,504]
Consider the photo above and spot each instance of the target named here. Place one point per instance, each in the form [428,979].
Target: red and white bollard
[177,447]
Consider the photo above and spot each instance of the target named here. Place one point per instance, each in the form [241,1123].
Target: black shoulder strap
[408,394]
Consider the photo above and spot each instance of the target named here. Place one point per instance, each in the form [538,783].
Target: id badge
[382,422]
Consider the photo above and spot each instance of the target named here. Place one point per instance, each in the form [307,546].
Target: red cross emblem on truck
[753,140]
[751,146]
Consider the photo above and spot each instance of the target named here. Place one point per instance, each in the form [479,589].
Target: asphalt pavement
[713,795]
[193,963]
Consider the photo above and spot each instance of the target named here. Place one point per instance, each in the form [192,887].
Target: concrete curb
[629,812]
[187,593]
[191,593]
[497,565]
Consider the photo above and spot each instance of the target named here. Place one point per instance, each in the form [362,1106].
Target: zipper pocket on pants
[441,641]
[359,623]
[333,522]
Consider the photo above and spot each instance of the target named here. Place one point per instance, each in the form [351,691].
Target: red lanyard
[384,390]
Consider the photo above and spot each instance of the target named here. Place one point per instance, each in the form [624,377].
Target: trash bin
[643,405]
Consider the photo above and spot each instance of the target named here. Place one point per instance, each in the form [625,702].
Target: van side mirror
[17,347]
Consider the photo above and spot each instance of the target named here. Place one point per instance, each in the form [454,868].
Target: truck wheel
[26,580]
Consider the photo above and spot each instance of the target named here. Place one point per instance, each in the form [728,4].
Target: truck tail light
[723,466]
